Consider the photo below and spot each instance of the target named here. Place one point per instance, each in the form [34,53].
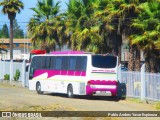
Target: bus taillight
[89,83]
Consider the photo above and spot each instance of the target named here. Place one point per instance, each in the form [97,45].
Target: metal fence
[133,82]
[152,85]
[138,84]
[141,85]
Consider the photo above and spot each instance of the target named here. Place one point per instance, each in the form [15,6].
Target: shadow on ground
[96,98]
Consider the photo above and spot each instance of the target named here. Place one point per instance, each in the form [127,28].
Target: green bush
[6,76]
[17,75]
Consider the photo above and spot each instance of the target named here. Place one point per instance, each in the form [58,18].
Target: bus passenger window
[47,62]
[79,63]
[39,64]
[43,62]
[84,63]
[52,63]
[72,63]
[58,63]
[65,63]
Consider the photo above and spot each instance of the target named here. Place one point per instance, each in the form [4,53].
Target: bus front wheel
[38,88]
[70,91]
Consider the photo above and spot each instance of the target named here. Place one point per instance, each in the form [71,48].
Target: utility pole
[24,44]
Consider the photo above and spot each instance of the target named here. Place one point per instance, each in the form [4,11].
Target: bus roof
[68,52]
[78,52]
[74,54]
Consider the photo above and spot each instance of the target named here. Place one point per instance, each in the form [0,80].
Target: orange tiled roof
[4,40]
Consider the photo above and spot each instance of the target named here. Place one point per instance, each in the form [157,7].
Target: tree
[4,31]
[17,32]
[107,21]
[147,33]
[42,25]
[82,26]
[11,7]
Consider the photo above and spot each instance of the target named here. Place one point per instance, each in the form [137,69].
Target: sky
[26,13]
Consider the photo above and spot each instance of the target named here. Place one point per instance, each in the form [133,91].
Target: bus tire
[121,91]
[38,88]
[70,91]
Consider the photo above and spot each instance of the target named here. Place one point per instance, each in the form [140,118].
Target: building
[21,48]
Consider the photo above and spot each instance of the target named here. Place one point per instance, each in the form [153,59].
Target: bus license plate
[101,92]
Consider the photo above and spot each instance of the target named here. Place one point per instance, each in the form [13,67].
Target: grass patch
[157,105]
[136,100]
[53,107]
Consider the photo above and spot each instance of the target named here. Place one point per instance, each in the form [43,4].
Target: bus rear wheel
[38,88]
[121,94]
[70,91]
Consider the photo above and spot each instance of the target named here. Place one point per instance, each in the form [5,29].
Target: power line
[126,18]
[82,21]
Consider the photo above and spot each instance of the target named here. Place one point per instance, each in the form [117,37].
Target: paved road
[16,98]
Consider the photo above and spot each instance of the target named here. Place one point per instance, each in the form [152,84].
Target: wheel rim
[69,92]
[38,87]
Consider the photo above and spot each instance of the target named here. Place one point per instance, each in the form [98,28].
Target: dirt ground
[14,98]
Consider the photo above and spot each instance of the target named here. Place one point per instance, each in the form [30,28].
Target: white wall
[17,54]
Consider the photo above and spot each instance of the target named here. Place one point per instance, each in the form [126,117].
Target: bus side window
[58,63]
[79,63]
[52,63]
[72,63]
[43,62]
[39,64]
[65,63]
[47,62]
[84,65]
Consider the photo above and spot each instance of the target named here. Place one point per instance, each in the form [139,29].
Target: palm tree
[42,25]
[108,19]
[127,11]
[83,26]
[116,16]
[146,33]
[105,25]
[11,7]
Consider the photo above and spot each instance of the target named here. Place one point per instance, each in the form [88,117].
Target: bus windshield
[100,61]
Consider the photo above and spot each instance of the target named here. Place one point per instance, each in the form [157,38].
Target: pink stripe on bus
[52,73]
[90,90]
[102,82]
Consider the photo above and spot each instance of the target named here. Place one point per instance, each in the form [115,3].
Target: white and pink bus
[74,73]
